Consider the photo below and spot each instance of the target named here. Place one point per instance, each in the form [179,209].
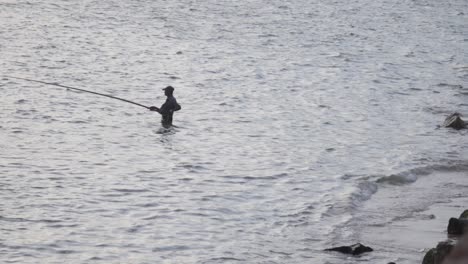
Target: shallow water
[294,114]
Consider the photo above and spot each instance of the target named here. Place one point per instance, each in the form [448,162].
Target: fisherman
[168,108]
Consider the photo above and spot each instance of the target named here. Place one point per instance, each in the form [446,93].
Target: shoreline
[407,240]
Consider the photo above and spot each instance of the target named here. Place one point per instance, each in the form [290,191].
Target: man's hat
[169,88]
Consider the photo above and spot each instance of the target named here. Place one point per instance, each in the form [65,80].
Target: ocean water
[303,123]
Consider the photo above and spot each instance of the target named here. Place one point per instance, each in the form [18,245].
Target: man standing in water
[168,108]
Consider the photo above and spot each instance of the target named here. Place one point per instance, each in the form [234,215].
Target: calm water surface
[294,113]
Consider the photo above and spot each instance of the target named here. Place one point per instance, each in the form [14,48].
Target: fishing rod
[82,90]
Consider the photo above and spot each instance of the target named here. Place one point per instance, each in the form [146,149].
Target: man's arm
[154,108]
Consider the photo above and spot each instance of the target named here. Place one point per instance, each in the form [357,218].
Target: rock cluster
[455,249]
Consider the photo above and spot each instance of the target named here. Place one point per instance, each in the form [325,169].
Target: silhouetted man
[168,108]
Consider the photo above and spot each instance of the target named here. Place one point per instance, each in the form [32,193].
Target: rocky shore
[454,250]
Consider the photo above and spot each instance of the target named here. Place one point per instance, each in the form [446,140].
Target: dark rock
[464,215]
[429,257]
[361,249]
[355,249]
[454,121]
[342,249]
[459,254]
[457,226]
[438,254]
[442,250]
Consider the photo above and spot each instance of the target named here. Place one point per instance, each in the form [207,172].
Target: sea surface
[303,124]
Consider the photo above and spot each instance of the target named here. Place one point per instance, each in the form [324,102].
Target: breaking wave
[412,175]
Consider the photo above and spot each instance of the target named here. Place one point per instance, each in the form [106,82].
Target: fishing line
[78,89]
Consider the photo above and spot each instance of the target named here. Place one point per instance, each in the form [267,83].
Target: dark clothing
[167,110]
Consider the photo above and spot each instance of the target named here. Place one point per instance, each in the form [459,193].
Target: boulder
[457,226]
[454,121]
[464,215]
[355,249]
[438,254]
[429,257]
[442,250]
[459,254]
